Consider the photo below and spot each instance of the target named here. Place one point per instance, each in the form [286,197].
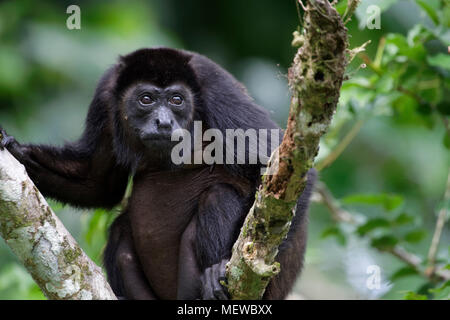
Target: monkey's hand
[6,141]
[211,277]
[11,144]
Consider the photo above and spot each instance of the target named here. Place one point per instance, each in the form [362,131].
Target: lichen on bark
[315,79]
[40,241]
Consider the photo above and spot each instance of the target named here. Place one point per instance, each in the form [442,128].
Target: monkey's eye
[146,100]
[176,100]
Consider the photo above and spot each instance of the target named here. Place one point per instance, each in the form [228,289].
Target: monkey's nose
[164,124]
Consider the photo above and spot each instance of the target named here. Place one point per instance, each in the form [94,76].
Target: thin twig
[340,215]
[303,6]
[411,259]
[299,15]
[351,7]
[438,231]
[341,146]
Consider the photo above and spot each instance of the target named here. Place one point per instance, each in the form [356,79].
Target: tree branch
[341,215]
[37,237]
[440,222]
[315,79]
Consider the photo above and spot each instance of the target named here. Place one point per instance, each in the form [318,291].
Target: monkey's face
[154,113]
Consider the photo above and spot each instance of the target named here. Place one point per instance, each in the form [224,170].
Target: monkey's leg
[192,283]
[123,268]
[188,287]
[221,212]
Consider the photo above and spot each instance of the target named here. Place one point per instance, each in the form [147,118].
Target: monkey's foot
[211,277]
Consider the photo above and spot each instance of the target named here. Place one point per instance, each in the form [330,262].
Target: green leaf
[445,285]
[384,242]
[418,33]
[443,107]
[424,109]
[446,15]
[425,289]
[14,69]
[334,231]
[358,82]
[389,202]
[372,225]
[442,292]
[397,46]
[402,219]
[443,34]
[447,140]
[429,10]
[341,7]
[415,236]
[406,112]
[385,84]
[403,272]
[440,60]
[414,296]
[97,225]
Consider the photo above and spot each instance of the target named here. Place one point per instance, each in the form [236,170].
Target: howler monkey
[175,235]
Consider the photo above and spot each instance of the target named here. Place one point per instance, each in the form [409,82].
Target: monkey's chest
[161,207]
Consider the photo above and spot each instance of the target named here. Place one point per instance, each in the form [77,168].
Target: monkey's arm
[78,173]
[124,270]
[207,242]
[84,173]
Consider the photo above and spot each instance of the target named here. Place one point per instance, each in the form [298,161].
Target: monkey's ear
[225,102]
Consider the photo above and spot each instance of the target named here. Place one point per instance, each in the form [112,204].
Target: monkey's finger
[223,269]
[207,289]
[2,136]
[220,294]
[5,140]
[219,290]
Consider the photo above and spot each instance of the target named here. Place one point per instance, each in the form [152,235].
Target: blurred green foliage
[405,84]
[390,135]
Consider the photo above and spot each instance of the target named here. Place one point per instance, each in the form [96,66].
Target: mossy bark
[37,237]
[315,79]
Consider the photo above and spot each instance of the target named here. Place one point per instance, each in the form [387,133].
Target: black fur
[218,223]
[204,207]
[221,101]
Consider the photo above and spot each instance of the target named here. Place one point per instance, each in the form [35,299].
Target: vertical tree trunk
[315,79]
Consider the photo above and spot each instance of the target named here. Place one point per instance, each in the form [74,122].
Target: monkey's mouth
[149,137]
[157,140]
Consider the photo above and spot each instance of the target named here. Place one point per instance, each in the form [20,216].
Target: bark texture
[40,241]
[315,80]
